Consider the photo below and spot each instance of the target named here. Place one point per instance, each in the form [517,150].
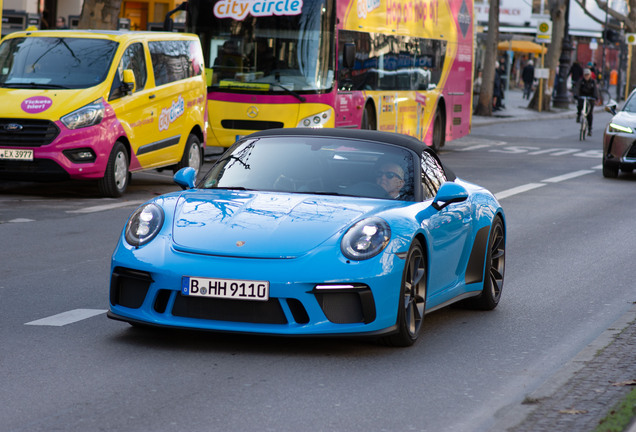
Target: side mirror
[449,193]
[349,55]
[129,81]
[186,178]
[611,106]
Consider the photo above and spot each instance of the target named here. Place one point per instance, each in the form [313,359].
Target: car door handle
[152,96]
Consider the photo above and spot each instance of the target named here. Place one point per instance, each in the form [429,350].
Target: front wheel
[368,119]
[191,155]
[412,302]
[116,176]
[583,130]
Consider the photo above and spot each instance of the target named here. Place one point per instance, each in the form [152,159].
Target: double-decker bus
[393,65]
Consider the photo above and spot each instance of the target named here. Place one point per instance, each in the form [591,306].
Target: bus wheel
[191,155]
[368,119]
[439,132]
[116,176]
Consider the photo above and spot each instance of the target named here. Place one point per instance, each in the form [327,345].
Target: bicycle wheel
[604,96]
[583,131]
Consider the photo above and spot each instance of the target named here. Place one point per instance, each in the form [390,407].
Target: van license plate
[16,154]
[225,288]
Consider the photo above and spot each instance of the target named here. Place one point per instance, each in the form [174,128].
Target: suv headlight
[316,120]
[88,115]
[144,224]
[616,128]
[365,239]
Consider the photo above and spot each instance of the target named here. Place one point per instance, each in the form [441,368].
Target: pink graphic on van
[36,104]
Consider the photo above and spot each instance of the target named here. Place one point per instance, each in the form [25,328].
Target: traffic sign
[630,38]
[544,31]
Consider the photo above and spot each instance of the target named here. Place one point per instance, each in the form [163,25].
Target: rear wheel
[439,132]
[191,155]
[412,302]
[494,269]
[116,176]
[368,119]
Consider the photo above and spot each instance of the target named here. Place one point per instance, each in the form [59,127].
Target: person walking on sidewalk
[528,79]
[586,86]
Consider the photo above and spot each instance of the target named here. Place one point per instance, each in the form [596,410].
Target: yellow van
[100,105]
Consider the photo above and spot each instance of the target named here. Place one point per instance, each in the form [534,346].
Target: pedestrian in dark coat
[527,75]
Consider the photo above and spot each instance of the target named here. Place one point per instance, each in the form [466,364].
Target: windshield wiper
[288,91]
[33,85]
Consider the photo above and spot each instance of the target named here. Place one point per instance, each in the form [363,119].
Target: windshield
[315,165]
[54,62]
[255,50]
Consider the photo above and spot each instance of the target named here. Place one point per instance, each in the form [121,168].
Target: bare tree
[551,61]
[628,20]
[100,14]
[484,104]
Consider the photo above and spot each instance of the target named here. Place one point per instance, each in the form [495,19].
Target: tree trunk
[484,104]
[551,61]
[100,14]
[630,27]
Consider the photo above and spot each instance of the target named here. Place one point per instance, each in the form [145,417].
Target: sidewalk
[517,110]
[585,389]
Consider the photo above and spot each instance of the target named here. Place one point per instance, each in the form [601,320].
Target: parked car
[619,151]
[312,232]
[99,105]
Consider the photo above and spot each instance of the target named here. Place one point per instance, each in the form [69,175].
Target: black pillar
[562,99]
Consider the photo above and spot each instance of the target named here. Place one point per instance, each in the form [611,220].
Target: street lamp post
[562,100]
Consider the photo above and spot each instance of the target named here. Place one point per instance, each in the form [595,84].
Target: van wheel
[191,155]
[116,177]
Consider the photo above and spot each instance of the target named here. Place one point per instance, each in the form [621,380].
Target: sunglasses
[388,174]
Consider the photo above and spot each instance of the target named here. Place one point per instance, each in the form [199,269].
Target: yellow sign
[630,38]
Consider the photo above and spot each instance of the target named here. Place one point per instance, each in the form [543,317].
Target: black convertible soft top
[393,138]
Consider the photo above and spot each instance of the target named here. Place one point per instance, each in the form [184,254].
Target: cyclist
[586,86]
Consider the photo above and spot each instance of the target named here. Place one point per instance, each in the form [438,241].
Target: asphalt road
[568,278]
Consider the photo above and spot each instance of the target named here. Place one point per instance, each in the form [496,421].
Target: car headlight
[88,115]
[144,224]
[316,120]
[615,127]
[365,239]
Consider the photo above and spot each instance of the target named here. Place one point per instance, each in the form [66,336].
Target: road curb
[512,415]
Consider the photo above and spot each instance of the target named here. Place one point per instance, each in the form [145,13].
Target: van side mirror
[349,55]
[128,83]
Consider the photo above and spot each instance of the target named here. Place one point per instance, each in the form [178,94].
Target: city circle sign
[544,31]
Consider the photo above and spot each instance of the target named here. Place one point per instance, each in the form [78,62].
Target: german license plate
[225,288]
[16,154]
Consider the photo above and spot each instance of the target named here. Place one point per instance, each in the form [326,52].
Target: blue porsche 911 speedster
[312,232]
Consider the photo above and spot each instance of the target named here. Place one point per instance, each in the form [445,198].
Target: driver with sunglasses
[391,178]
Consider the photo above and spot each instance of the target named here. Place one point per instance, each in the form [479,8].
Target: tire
[116,177]
[495,266]
[439,131]
[192,155]
[609,171]
[583,130]
[368,119]
[412,301]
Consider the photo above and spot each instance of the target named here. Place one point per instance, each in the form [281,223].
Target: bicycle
[588,105]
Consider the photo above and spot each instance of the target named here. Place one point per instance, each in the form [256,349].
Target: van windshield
[55,62]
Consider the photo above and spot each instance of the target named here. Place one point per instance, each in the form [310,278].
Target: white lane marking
[597,167]
[517,190]
[21,220]
[69,317]
[568,176]
[103,207]
[530,186]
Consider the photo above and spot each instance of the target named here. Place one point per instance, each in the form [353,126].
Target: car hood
[625,118]
[44,104]
[263,224]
